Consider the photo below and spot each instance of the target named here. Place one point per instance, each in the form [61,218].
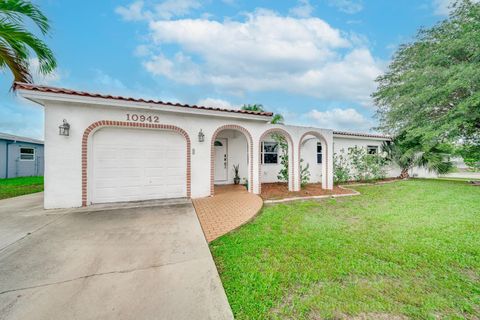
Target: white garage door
[136,164]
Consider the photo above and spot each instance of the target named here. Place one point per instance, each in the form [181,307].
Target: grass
[14,187]
[404,249]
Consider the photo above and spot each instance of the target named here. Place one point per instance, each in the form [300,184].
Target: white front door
[221,159]
[137,164]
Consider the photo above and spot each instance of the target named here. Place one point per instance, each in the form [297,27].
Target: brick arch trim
[108,123]
[321,137]
[290,140]
[212,153]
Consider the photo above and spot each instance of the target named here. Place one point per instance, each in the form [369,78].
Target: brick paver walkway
[231,207]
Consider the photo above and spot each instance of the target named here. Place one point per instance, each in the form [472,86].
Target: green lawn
[408,248]
[14,187]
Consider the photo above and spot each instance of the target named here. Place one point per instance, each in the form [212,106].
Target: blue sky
[314,61]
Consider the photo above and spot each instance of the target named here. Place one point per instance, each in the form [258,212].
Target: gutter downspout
[6,158]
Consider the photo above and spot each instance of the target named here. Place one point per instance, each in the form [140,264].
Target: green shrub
[341,168]
[358,165]
[304,174]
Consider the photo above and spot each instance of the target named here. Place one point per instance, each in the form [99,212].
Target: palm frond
[20,40]
[435,161]
[17,65]
[253,107]
[16,9]
[278,119]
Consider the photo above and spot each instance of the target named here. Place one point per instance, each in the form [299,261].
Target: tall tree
[253,107]
[431,90]
[276,119]
[17,44]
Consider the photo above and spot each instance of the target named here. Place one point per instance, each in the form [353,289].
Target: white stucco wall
[343,142]
[63,154]
[63,162]
[237,150]
[309,156]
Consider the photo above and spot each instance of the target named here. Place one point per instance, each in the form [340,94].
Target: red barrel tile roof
[41,88]
[366,135]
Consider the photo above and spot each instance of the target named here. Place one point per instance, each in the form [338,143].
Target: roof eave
[41,97]
[361,136]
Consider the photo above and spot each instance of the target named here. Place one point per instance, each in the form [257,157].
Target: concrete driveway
[148,262]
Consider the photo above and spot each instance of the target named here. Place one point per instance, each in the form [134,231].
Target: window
[270,152]
[319,152]
[372,149]
[218,143]
[27,154]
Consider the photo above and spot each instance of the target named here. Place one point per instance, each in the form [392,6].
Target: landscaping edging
[354,193]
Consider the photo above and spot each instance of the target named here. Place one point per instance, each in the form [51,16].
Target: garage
[137,164]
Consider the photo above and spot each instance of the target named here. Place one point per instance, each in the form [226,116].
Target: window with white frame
[319,152]
[27,154]
[372,149]
[269,152]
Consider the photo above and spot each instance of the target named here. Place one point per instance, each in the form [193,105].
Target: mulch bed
[276,191]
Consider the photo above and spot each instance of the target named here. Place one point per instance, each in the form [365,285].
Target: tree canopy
[431,90]
[17,43]
[276,119]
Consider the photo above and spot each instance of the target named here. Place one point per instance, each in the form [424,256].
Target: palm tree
[253,107]
[409,154]
[17,43]
[276,119]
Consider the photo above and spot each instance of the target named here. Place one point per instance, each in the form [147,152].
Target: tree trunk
[404,174]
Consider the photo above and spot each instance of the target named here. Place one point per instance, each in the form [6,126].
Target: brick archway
[249,138]
[107,123]
[291,161]
[320,137]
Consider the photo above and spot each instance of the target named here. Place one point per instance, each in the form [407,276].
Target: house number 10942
[142,118]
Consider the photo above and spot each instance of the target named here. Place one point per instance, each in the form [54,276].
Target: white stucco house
[125,149]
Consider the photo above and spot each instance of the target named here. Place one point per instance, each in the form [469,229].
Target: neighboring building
[126,149]
[20,156]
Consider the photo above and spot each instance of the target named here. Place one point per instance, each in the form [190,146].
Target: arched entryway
[313,150]
[269,155]
[231,145]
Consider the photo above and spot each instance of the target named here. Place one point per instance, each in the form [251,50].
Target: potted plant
[236,179]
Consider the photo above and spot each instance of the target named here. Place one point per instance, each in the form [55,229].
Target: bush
[283,148]
[358,165]
[341,169]
[304,174]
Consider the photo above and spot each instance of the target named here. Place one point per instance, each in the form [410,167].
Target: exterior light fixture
[64,129]
[201,136]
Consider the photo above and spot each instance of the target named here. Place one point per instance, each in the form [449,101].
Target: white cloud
[215,103]
[443,7]
[173,8]
[22,118]
[167,9]
[105,81]
[303,10]
[133,12]
[108,84]
[142,50]
[265,52]
[340,119]
[48,79]
[347,6]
